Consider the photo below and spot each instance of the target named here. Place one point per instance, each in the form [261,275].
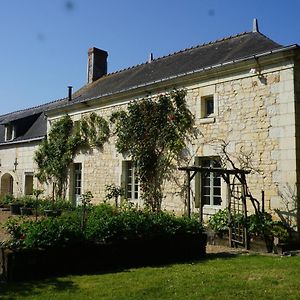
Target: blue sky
[44,43]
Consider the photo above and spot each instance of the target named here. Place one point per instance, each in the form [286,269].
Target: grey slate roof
[220,52]
[31,122]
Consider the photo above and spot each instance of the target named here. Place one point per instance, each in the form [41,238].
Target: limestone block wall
[100,167]
[254,114]
[17,160]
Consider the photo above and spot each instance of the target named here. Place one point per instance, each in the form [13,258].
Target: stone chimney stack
[97,64]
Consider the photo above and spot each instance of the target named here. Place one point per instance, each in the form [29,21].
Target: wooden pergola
[236,235]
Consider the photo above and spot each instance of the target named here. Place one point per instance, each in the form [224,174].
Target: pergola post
[188,194]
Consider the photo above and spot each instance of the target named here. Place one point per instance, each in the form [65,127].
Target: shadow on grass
[32,288]
[55,284]
[224,255]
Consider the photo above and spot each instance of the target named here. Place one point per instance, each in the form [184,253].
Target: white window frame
[200,182]
[76,187]
[9,132]
[131,183]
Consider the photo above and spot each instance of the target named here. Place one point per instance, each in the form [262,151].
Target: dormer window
[9,132]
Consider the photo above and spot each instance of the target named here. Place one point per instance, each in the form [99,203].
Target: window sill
[207,120]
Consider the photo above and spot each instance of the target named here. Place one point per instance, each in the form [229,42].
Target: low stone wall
[34,264]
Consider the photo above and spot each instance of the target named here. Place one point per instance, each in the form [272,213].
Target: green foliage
[58,204]
[113,192]
[154,134]
[44,233]
[27,201]
[263,225]
[94,130]
[242,277]
[107,224]
[258,224]
[55,154]
[65,138]
[280,230]
[7,199]
[104,224]
[219,221]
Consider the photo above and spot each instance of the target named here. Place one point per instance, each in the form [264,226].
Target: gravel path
[4,215]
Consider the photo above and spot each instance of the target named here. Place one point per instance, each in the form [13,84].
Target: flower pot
[15,208]
[52,213]
[26,211]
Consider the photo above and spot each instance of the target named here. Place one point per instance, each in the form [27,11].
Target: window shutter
[124,178]
[197,183]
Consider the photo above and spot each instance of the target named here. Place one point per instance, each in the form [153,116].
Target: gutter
[23,141]
[256,56]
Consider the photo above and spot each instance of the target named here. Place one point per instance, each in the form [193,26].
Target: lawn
[231,277]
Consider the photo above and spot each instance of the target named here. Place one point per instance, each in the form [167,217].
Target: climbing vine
[57,151]
[154,133]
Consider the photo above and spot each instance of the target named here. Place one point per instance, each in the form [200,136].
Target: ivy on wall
[65,139]
[154,134]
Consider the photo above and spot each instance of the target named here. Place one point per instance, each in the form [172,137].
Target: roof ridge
[178,52]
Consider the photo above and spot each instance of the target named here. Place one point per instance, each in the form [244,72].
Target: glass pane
[217,200]
[217,191]
[206,200]
[217,181]
[209,106]
[206,191]
[206,181]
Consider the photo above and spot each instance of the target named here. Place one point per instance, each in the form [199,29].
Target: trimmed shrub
[43,233]
[104,224]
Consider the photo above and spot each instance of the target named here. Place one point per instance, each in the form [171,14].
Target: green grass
[235,277]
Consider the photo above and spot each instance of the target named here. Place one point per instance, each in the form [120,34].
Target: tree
[65,138]
[154,133]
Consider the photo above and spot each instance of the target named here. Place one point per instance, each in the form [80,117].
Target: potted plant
[51,208]
[28,206]
[5,201]
[15,206]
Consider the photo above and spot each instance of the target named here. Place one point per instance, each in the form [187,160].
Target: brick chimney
[97,64]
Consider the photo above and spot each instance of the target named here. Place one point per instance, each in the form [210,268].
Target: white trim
[22,141]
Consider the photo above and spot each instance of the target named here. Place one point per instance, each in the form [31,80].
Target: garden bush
[58,204]
[260,224]
[219,221]
[104,224]
[6,199]
[43,233]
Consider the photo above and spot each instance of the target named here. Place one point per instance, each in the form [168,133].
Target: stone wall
[254,114]
[16,161]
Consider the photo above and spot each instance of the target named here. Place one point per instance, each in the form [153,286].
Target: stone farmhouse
[243,90]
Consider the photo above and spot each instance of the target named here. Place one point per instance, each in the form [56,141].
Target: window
[207,106]
[207,186]
[28,184]
[131,183]
[77,182]
[9,132]
[211,183]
